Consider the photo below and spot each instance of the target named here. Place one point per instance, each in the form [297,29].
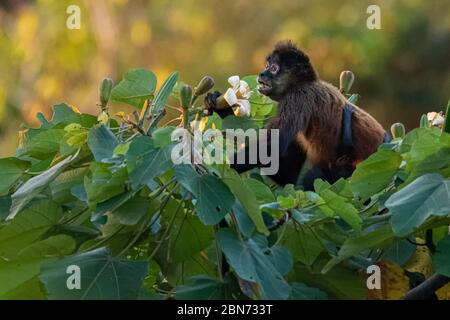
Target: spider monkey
[315,121]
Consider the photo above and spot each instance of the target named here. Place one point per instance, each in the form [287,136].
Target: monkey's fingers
[211,102]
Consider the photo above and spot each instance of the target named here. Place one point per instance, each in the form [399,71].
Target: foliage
[103,194]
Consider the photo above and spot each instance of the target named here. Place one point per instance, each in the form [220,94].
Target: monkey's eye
[273,68]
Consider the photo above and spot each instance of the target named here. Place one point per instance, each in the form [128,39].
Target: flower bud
[105,91]
[424,121]
[346,81]
[204,86]
[185,96]
[398,130]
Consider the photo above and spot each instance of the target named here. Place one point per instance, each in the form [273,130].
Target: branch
[427,288]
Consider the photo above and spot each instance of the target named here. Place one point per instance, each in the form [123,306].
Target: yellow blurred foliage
[48,87]
[27,27]
[2,102]
[141,33]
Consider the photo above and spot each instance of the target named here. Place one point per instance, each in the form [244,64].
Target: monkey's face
[287,67]
[275,79]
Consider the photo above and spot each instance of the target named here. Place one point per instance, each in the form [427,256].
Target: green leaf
[214,198]
[61,187]
[429,141]
[163,94]
[67,114]
[121,149]
[260,190]
[441,259]
[134,209]
[112,204]
[188,236]
[379,238]
[102,142]
[281,258]
[246,197]
[45,143]
[26,228]
[399,252]
[426,196]
[204,288]
[136,86]
[146,162]
[177,273]
[251,263]
[233,122]
[338,283]
[162,136]
[104,182]
[72,141]
[11,169]
[342,208]
[300,291]
[31,289]
[288,202]
[15,273]
[375,173]
[437,162]
[5,205]
[103,277]
[35,185]
[303,243]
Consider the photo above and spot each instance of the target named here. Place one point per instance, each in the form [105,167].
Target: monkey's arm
[210,105]
[289,164]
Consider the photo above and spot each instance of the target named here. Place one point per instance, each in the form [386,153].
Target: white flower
[238,96]
[436,119]
[230,97]
[243,108]
[234,81]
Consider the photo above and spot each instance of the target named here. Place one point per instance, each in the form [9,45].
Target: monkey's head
[286,67]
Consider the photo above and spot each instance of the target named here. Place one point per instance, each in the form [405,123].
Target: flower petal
[234,81]
[431,115]
[439,120]
[230,97]
[243,108]
[244,89]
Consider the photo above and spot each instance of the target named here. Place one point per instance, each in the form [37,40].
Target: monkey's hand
[211,105]
[211,102]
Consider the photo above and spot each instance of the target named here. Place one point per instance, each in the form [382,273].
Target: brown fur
[314,110]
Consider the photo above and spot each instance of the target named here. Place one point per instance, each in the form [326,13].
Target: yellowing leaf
[103,118]
[394,283]
[420,261]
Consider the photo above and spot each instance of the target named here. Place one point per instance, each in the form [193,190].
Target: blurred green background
[401,70]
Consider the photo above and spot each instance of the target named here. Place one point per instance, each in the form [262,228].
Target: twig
[154,121]
[169,227]
[173,120]
[218,255]
[426,289]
